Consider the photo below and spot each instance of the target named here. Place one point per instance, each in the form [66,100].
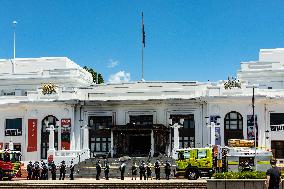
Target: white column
[176,140]
[212,127]
[152,143]
[111,144]
[85,138]
[51,138]
[77,128]
[72,145]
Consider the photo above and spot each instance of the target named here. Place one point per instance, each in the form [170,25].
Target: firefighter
[106,170]
[30,170]
[72,166]
[168,170]
[53,170]
[142,170]
[157,169]
[62,170]
[98,169]
[122,170]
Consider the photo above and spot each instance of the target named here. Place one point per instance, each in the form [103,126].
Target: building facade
[50,109]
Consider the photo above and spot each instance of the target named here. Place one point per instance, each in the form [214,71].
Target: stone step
[88,183]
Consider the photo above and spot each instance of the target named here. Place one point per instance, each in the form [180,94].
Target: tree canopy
[97,77]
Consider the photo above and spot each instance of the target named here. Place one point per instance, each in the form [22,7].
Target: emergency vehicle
[193,163]
[10,164]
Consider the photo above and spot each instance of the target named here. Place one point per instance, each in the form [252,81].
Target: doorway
[139,145]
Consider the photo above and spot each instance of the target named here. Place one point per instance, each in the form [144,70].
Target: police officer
[106,170]
[142,170]
[36,171]
[134,170]
[62,170]
[30,170]
[72,166]
[122,170]
[53,170]
[44,171]
[157,169]
[99,170]
[168,170]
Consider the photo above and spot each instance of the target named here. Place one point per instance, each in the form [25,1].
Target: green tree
[95,75]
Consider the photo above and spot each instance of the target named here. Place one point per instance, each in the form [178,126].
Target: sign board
[32,135]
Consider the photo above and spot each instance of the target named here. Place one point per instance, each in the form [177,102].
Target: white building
[134,118]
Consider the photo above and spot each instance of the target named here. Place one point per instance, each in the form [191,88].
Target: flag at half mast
[143,31]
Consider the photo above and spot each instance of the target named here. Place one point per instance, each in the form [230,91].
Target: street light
[212,126]
[176,126]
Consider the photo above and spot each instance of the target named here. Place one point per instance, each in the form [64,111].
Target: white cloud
[112,63]
[119,77]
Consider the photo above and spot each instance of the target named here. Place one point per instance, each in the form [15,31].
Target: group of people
[145,170]
[39,171]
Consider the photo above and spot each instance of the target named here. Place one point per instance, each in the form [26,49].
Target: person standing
[142,170]
[122,170]
[62,170]
[149,171]
[106,170]
[72,167]
[273,176]
[98,169]
[157,169]
[134,170]
[168,170]
[36,173]
[53,170]
[44,171]
[30,170]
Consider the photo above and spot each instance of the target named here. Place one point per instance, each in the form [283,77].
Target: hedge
[240,175]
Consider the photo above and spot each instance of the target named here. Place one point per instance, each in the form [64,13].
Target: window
[13,127]
[233,126]
[101,145]
[100,122]
[201,154]
[277,149]
[141,119]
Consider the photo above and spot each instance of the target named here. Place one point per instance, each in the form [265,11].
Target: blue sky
[185,39]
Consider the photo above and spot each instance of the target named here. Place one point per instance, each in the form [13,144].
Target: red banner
[65,134]
[32,135]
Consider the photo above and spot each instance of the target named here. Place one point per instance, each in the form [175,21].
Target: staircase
[87,168]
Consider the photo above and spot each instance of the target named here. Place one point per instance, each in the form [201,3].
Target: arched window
[233,126]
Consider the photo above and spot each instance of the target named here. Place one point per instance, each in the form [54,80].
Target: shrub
[241,175]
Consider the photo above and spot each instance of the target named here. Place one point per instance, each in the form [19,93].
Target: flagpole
[14,27]
[254,126]
[142,45]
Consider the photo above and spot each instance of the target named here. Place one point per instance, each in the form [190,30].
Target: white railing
[69,155]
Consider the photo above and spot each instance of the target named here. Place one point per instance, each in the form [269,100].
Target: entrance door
[139,145]
[45,135]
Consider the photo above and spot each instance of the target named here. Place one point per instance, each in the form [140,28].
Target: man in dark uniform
[106,170]
[157,169]
[36,172]
[62,170]
[168,170]
[30,170]
[99,170]
[273,176]
[142,170]
[122,170]
[134,171]
[53,170]
[44,171]
[72,166]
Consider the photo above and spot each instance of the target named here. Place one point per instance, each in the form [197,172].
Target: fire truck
[10,164]
[193,163]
